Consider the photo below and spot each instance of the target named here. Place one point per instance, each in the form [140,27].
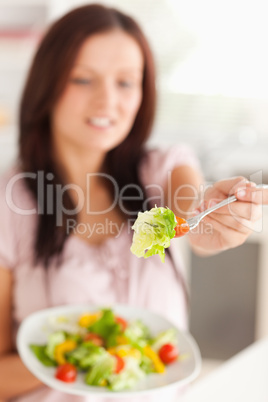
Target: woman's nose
[105,94]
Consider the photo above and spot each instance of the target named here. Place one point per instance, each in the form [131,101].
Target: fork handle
[221,204]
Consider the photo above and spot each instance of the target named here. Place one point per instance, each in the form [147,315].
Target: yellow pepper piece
[88,319]
[112,351]
[157,362]
[122,351]
[135,353]
[129,352]
[122,340]
[62,348]
[103,383]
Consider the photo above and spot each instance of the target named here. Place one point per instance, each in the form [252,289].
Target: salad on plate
[110,351]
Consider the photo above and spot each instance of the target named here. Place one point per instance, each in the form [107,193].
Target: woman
[83,175]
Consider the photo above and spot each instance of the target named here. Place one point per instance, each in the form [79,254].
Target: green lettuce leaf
[107,328]
[128,377]
[101,370]
[138,334]
[54,339]
[85,355]
[40,353]
[153,231]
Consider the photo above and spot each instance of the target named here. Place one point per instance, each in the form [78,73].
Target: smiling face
[102,97]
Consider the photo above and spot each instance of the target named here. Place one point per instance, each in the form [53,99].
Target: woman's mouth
[100,122]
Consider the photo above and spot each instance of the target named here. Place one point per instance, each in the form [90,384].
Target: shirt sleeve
[159,163]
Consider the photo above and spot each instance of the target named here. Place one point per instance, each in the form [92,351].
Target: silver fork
[193,222]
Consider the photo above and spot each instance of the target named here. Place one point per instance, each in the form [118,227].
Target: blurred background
[212,64]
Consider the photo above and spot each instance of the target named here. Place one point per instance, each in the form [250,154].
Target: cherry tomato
[120,364]
[181,230]
[122,322]
[66,372]
[94,338]
[168,353]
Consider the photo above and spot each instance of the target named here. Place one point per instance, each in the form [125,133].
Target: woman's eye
[125,84]
[81,81]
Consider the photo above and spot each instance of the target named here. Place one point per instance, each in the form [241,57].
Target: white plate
[34,329]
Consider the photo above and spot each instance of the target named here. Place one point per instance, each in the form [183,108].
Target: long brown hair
[46,81]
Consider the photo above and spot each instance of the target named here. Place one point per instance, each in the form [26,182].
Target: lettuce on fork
[153,231]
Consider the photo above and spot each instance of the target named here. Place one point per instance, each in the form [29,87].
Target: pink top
[99,275]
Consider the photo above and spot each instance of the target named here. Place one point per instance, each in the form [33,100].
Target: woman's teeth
[100,121]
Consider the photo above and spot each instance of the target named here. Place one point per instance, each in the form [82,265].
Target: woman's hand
[231,225]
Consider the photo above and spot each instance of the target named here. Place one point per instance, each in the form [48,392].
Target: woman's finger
[228,236]
[245,210]
[251,194]
[238,224]
[229,186]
